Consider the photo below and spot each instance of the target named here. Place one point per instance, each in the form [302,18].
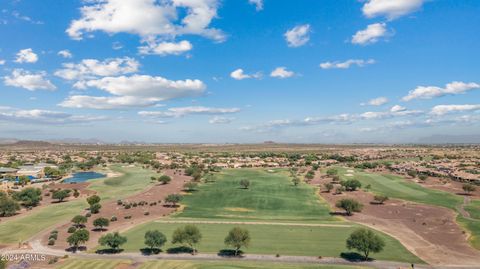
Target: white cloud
[178,112]
[31,81]
[91,68]
[391,9]
[38,116]
[429,92]
[110,102]
[397,108]
[298,35]
[239,74]
[65,54]
[166,48]
[446,109]
[133,91]
[281,72]
[2,62]
[371,34]
[377,101]
[346,64]
[147,18]
[26,56]
[220,120]
[258,4]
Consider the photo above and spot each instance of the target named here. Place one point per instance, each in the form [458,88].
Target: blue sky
[329,71]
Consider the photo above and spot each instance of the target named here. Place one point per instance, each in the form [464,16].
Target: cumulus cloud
[2,62]
[346,64]
[147,18]
[391,9]
[446,109]
[133,91]
[395,111]
[298,35]
[429,92]
[65,54]
[372,34]
[281,72]
[220,120]
[91,68]
[166,48]
[178,112]
[31,81]
[38,116]
[258,4]
[107,102]
[239,74]
[26,56]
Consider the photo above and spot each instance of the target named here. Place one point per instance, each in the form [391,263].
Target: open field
[271,196]
[474,209]
[134,179]
[236,265]
[397,187]
[165,264]
[93,264]
[274,239]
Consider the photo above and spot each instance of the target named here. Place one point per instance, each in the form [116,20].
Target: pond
[83,176]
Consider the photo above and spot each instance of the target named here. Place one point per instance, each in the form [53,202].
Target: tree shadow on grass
[73,249]
[230,253]
[150,251]
[182,249]
[353,257]
[109,251]
[339,213]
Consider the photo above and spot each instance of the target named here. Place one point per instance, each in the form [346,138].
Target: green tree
[422,177]
[164,179]
[99,223]
[189,235]
[77,238]
[23,180]
[351,184]
[365,241]
[245,183]
[468,188]
[173,199]
[332,172]
[8,206]
[61,195]
[28,196]
[295,181]
[237,238]
[76,193]
[190,186]
[79,220]
[94,199]
[380,199]
[412,173]
[349,205]
[155,239]
[328,187]
[95,208]
[112,240]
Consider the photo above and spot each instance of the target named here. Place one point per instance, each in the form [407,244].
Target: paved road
[38,248]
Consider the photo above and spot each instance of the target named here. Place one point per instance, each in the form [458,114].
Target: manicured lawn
[237,265]
[474,209]
[91,264]
[397,187]
[272,239]
[271,196]
[134,180]
[473,226]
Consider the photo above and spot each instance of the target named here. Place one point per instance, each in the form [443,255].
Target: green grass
[397,187]
[272,239]
[271,196]
[16,230]
[473,226]
[474,209]
[237,265]
[91,264]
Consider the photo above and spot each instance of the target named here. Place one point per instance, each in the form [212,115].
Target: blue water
[83,176]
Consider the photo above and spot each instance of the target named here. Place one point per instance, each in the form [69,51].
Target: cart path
[254,223]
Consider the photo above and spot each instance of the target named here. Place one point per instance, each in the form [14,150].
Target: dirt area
[429,232]
[153,196]
[47,197]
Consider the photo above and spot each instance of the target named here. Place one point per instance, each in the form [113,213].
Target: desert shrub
[71,230]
